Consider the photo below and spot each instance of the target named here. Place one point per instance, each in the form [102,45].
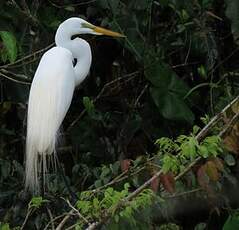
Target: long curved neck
[80,50]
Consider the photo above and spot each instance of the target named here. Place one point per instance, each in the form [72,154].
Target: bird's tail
[42,129]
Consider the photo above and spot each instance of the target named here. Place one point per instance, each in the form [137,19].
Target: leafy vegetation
[151,137]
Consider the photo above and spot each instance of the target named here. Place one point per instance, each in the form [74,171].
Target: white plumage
[50,97]
[51,94]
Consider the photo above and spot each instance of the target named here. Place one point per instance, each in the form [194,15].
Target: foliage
[36,202]
[232,222]
[111,203]
[177,64]
[9,51]
[187,149]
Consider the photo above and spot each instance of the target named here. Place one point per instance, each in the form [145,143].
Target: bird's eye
[74,62]
[74,36]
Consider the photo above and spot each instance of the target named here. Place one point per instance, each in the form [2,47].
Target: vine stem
[26,218]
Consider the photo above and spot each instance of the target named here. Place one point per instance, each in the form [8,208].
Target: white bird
[51,94]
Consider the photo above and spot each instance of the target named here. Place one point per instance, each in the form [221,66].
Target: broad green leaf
[168,91]
[232,12]
[10,45]
[171,106]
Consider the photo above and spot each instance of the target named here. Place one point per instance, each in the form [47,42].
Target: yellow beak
[104,31]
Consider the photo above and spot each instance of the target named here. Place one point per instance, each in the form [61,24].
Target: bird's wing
[50,97]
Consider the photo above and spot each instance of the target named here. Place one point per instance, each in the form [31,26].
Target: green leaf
[4,226]
[167,92]
[89,106]
[10,45]
[36,202]
[203,151]
[189,147]
[232,223]
[170,105]
[97,183]
[230,160]
[232,12]
[170,163]
[83,206]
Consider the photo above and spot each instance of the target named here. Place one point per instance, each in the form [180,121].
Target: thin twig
[182,193]
[229,125]
[51,218]
[29,212]
[27,56]
[107,85]
[54,219]
[77,212]
[140,95]
[204,131]
[14,80]
[118,179]
[142,187]
[62,223]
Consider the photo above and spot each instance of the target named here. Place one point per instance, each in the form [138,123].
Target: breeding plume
[51,93]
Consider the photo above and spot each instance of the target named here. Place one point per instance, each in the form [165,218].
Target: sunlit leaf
[4,226]
[10,44]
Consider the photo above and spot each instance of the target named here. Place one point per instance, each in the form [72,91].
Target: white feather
[50,97]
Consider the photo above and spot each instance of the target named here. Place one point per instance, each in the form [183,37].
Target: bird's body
[51,94]
[45,114]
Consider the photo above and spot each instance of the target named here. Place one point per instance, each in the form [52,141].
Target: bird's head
[81,26]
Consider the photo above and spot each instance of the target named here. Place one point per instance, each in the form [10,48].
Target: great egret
[51,93]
